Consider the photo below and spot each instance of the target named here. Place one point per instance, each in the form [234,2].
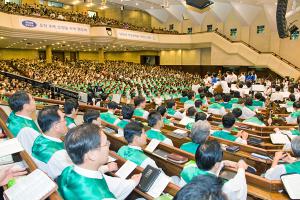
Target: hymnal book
[291,184]
[35,186]
[152,145]
[149,175]
[278,138]
[159,185]
[126,169]
[176,158]
[179,133]
[161,153]
[10,146]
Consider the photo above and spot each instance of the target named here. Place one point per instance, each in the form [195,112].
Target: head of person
[127,112]
[237,112]
[228,120]
[92,116]
[258,96]
[140,101]
[71,107]
[113,106]
[277,88]
[292,97]
[171,104]
[295,145]
[226,97]
[134,133]
[248,101]
[191,95]
[162,110]
[209,155]
[21,101]
[200,132]
[52,121]
[200,116]
[87,145]
[296,105]
[198,103]
[155,120]
[191,111]
[218,98]
[202,188]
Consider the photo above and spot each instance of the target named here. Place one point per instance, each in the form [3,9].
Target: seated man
[226,101]
[20,122]
[171,106]
[216,108]
[88,148]
[189,119]
[134,134]
[198,104]
[127,113]
[209,163]
[163,112]
[199,134]
[292,118]
[246,111]
[228,121]
[202,188]
[92,116]
[237,112]
[258,102]
[255,121]
[48,150]
[156,123]
[71,109]
[276,96]
[293,163]
[109,116]
[140,104]
[190,102]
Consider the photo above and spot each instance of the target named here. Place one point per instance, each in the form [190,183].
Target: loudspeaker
[280,18]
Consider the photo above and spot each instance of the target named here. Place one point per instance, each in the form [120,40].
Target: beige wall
[8,54]
[180,57]
[128,56]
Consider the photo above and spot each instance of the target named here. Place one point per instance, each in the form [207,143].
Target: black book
[149,175]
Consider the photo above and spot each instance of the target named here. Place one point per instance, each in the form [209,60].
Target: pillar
[100,55]
[48,54]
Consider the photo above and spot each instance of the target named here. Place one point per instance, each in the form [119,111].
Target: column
[48,54]
[100,55]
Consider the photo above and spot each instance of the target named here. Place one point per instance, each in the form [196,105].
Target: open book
[291,184]
[8,147]
[278,138]
[35,186]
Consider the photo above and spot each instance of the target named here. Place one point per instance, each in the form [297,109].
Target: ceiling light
[136,3]
[1,38]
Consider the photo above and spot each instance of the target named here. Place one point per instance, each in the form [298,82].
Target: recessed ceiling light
[1,38]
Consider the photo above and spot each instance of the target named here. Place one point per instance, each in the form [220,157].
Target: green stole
[224,135]
[122,123]
[215,106]
[69,121]
[289,103]
[295,114]
[295,132]
[226,105]
[153,134]
[108,117]
[234,100]
[134,155]
[257,103]
[190,147]
[292,168]
[16,123]
[43,148]
[166,121]
[189,126]
[233,128]
[171,111]
[199,110]
[251,107]
[138,112]
[190,170]
[254,120]
[183,99]
[191,102]
[72,185]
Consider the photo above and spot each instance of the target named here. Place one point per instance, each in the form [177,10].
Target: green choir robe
[134,155]
[257,103]
[16,123]
[226,105]
[123,123]
[171,111]
[72,186]
[108,117]
[295,132]
[255,121]
[190,171]
[190,147]
[139,112]
[224,135]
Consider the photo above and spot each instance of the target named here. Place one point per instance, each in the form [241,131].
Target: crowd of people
[78,17]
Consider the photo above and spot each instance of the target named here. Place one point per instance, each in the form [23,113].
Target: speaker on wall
[280,18]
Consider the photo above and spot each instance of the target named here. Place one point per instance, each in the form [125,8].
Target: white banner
[53,26]
[134,35]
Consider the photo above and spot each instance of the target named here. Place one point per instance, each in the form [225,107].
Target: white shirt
[275,172]
[120,187]
[57,163]
[185,120]
[276,96]
[214,111]
[247,113]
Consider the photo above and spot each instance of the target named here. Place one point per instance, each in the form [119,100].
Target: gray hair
[295,144]
[200,131]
